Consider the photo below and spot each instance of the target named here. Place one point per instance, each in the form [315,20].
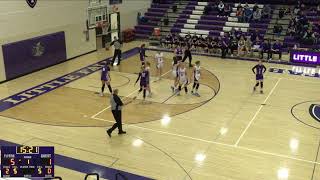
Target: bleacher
[190,17]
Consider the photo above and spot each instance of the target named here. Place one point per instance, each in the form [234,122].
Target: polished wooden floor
[227,133]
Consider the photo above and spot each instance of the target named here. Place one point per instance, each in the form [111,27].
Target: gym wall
[54,21]
[129,10]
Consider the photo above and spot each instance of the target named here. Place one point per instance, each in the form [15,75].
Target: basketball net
[104,25]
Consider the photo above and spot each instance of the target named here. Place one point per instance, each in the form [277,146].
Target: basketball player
[187,54]
[105,79]
[159,63]
[182,78]
[175,66]
[142,53]
[143,77]
[196,78]
[178,53]
[259,70]
[147,68]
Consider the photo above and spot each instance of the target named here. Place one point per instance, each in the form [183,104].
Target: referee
[117,50]
[116,106]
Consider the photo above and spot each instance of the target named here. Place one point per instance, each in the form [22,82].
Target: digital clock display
[25,161]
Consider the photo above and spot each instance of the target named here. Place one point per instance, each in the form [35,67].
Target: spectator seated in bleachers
[242,46]
[309,37]
[233,45]
[276,49]
[221,9]
[227,9]
[239,14]
[248,45]
[247,14]
[256,45]
[266,12]
[318,10]
[265,48]
[254,35]
[277,29]
[255,7]
[281,12]
[141,19]
[256,17]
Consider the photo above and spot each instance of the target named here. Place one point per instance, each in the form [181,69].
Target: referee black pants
[117,53]
[117,116]
[187,54]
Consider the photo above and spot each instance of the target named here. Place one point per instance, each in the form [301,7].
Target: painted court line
[258,111]
[95,115]
[216,143]
[227,145]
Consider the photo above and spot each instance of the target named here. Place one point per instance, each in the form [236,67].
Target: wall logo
[315,111]
[305,57]
[38,49]
[32,3]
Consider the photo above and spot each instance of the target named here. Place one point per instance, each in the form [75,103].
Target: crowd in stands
[301,28]
[229,43]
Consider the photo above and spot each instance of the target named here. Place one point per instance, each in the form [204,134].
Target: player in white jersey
[196,78]
[175,65]
[182,78]
[159,63]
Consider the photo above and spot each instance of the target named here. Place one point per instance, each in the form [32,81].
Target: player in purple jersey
[259,70]
[178,52]
[147,67]
[142,53]
[105,79]
[144,80]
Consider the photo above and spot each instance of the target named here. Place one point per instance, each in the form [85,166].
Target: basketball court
[227,133]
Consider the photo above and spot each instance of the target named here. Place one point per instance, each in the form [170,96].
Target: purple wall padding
[28,55]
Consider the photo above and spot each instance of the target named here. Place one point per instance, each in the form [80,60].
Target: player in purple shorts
[259,70]
[147,68]
[144,78]
[105,79]
[178,52]
[142,53]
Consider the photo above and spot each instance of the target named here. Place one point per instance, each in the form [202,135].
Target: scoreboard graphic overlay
[26,161]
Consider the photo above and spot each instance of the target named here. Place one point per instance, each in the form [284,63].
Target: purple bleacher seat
[153,18]
[161,10]
[211,17]
[157,14]
[212,22]
[145,27]
[209,27]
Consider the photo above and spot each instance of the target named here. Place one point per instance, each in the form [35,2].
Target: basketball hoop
[104,25]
